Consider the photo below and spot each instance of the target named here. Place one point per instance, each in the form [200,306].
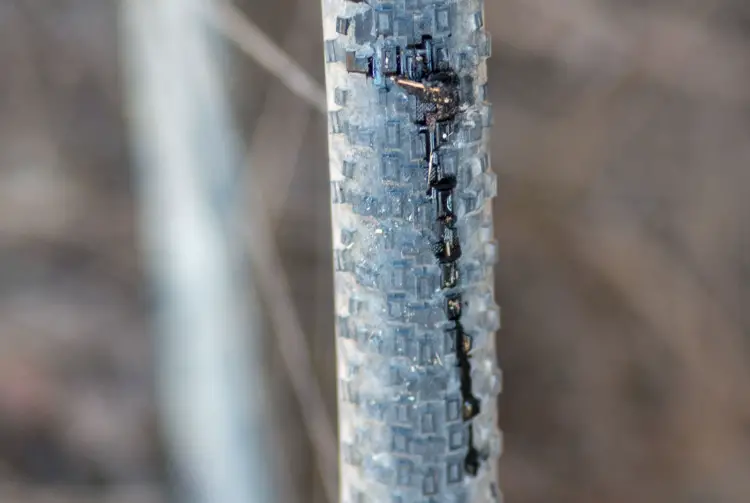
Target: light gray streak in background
[189,160]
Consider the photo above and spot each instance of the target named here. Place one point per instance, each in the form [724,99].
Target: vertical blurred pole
[208,335]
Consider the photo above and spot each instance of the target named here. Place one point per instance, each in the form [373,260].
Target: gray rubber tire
[414,250]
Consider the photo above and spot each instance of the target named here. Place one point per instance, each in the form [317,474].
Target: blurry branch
[555,181]
[567,156]
[250,38]
[676,48]
[283,118]
[645,276]
[293,343]
[271,277]
[210,381]
[613,249]
[664,294]
[273,281]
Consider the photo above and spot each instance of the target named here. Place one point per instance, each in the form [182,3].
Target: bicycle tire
[413,250]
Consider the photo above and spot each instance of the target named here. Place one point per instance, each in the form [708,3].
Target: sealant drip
[422,72]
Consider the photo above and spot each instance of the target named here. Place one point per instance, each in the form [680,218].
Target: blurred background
[622,146]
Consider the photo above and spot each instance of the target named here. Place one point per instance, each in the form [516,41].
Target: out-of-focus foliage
[621,145]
